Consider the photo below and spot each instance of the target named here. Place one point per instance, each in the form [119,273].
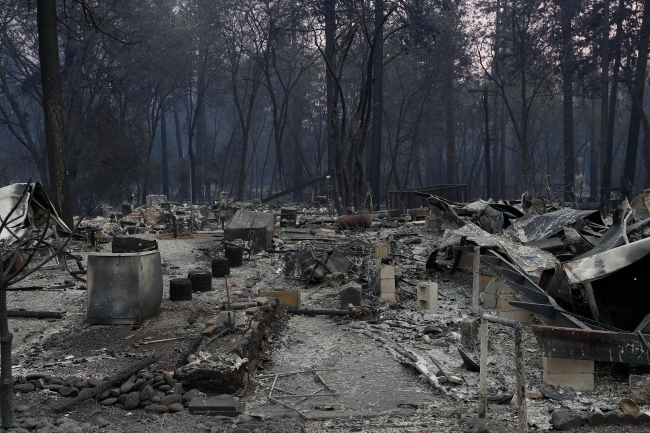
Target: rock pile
[149,389]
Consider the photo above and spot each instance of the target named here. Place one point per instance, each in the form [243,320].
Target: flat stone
[176,407]
[22,408]
[191,394]
[168,400]
[108,401]
[38,383]
[69,392]
[564,420]
[243,305]
[155,399]
[597,419]
[138,385]
[115,392]
[261,301]
[210,330]
[223,405]
[157,384]
[82,385]
[102,422]
[35,376]
[126,387]
[132,400]
[121,399]
[24,387]
[169,380]
[104,395]
[159,378]
[146,393]
[54,381]
[95,382]
[178,388]
[164,388]
[251,311]
[156,408]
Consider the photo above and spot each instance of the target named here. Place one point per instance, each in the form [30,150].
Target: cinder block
[567,366]
[507,311]
[288,298]
[387,283]
[575,373]
[381,250]
[428,296]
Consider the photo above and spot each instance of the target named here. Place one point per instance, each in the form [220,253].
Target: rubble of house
[250,316]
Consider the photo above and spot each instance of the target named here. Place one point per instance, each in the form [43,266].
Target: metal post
[482,393]
[521,380]
[475,288]
[520,367]
[488,167]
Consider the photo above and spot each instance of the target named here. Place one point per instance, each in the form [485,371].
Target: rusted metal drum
[351,221]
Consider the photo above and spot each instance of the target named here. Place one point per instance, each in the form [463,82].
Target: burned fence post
[520,365]
[477,274]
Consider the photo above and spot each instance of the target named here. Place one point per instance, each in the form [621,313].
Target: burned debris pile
[239,307]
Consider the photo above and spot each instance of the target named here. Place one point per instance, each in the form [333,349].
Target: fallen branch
[36,314]
[162,341]
[416,361]
[309,312]
[119,378]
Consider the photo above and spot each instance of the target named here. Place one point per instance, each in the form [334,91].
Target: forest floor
[374,391]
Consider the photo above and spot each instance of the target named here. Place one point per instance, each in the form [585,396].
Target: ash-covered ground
[369,389]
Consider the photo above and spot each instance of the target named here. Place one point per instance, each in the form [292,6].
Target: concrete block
[223,405]
[387,283]
[575,373]
[288,298]
[381,250]
[507,311]
[428,296]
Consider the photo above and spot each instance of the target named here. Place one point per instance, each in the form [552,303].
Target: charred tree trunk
[567,101]
[593,179]
[605,163]
[330,24]
[177,128]
[48,54]
[165,158]
[450,124]
[6,383]
[374,169]
[637,95]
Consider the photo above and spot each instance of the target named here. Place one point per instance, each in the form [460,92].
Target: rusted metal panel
[605,346]
[246,225]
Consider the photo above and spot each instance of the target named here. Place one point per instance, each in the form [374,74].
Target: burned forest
[283,216]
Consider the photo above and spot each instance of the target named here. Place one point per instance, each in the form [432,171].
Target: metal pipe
[520,368]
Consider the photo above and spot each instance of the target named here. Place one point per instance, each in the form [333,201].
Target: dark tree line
[193,98]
